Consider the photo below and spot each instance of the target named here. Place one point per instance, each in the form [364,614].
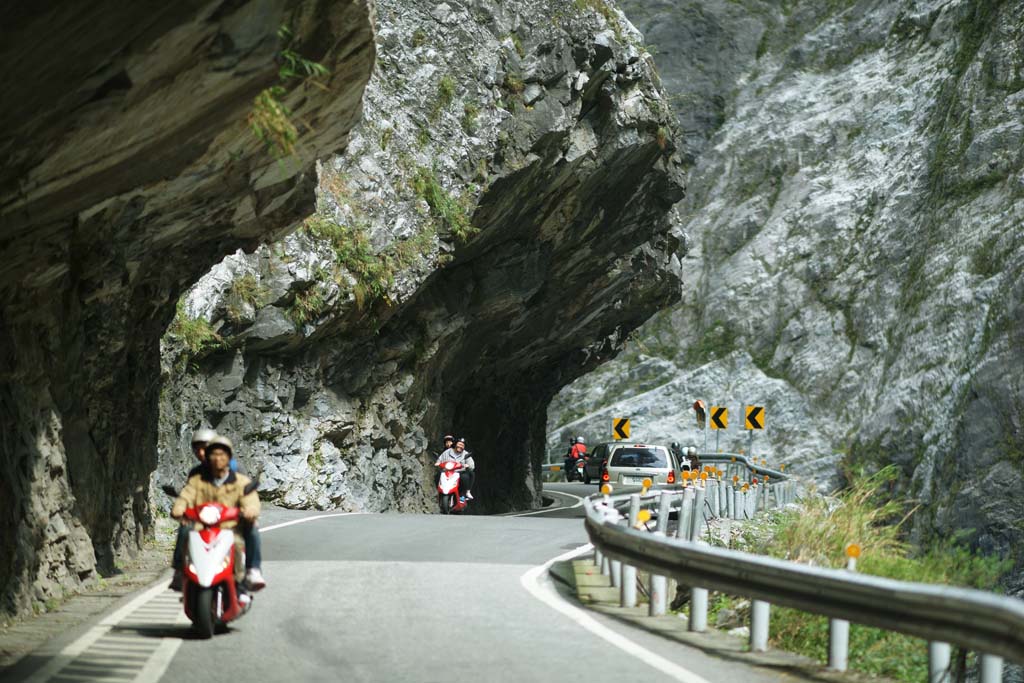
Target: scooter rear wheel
[204,613]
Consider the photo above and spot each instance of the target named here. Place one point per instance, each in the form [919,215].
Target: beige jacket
[201,489]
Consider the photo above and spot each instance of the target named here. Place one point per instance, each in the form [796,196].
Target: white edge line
[579,502]
[307,519]
[541,589]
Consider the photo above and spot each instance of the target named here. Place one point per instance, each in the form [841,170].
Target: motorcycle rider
[460,455]
[216,482]
[578,450]
[200,438]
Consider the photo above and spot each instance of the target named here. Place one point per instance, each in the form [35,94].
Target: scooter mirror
[169,490]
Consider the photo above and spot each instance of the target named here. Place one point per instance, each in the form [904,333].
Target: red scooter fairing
[209,571]
[449,487]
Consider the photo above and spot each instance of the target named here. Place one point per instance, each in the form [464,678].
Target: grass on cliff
[196,335]
[270,120]
[865,514]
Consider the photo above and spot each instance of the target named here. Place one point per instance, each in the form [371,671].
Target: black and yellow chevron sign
[719,417]
[620,428]
[755,417]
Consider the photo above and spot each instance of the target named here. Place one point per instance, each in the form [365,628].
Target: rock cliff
[858,260]
[131,166]
[499,224]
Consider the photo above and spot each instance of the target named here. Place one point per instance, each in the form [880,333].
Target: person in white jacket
[459,454]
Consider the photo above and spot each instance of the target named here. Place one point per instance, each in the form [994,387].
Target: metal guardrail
[985,622]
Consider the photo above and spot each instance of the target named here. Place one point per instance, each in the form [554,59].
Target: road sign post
[719,421]
[754,420]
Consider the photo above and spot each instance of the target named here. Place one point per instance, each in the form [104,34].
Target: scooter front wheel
[445,502]
[204,613]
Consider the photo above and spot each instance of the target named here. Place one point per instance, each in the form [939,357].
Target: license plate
[633,480]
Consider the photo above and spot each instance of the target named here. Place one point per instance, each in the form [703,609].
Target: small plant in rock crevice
[449,211]
[270,120]
[196,335]
[445,96]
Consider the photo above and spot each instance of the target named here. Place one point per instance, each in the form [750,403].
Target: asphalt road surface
[392,597]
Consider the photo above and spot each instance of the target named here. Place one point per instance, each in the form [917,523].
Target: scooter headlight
[209,515]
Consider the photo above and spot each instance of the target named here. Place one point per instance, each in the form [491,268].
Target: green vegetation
[470,111]
[244,290]
[514,83]
[602,8]
[518,44]
[449,211]
[661,136]
[445,96]
[385,137]
[419,37]
[309,305]
[270,119]
[196,335]
[866,514]
[987,260]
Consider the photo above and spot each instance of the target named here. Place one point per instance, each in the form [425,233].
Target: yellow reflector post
[703,476]
[853,550]
[606,489]
[647,483]
[643,516]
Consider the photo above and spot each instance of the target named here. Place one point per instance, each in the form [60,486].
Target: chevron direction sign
[755,417]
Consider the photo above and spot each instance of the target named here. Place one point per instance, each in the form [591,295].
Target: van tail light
[605,477]
[671,476]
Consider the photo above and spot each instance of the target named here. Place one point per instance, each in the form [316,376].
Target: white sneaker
[254,579]
[469,495]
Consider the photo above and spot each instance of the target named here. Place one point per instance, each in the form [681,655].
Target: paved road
[395,598]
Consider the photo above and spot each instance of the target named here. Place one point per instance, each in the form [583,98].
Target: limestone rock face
[858,260]
[129,169]
[499,224]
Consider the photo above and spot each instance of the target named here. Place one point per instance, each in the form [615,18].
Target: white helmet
[579,439]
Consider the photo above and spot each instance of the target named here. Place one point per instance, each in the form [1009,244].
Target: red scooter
[209,593]
[448,494]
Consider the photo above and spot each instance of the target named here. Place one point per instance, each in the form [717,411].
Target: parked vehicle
[210,595]
[449,495]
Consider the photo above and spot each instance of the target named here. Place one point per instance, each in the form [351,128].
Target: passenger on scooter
[460,455]
[216,483]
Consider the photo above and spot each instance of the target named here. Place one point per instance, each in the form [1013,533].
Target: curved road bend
[392,598]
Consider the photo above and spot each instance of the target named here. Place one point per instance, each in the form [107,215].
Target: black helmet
[675,444]
[460,440]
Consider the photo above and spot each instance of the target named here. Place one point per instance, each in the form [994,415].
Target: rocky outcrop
[858,262]
[501,221]
[131,166]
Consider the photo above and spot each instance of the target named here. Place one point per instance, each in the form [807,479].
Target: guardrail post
[737,503]
[698,609]
[729,502]
[838,644]
[598,558]
[616,573]
[760,613]
[606,566]
[698,514]
[658,605]
[938,662]
[723,498]
[991,669]
[766,492]
[627,591]
[685,511]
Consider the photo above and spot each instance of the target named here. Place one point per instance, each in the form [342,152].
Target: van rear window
[639,457]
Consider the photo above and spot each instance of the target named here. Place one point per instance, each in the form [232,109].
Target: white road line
[579,502]
[535,581]
[307,519]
